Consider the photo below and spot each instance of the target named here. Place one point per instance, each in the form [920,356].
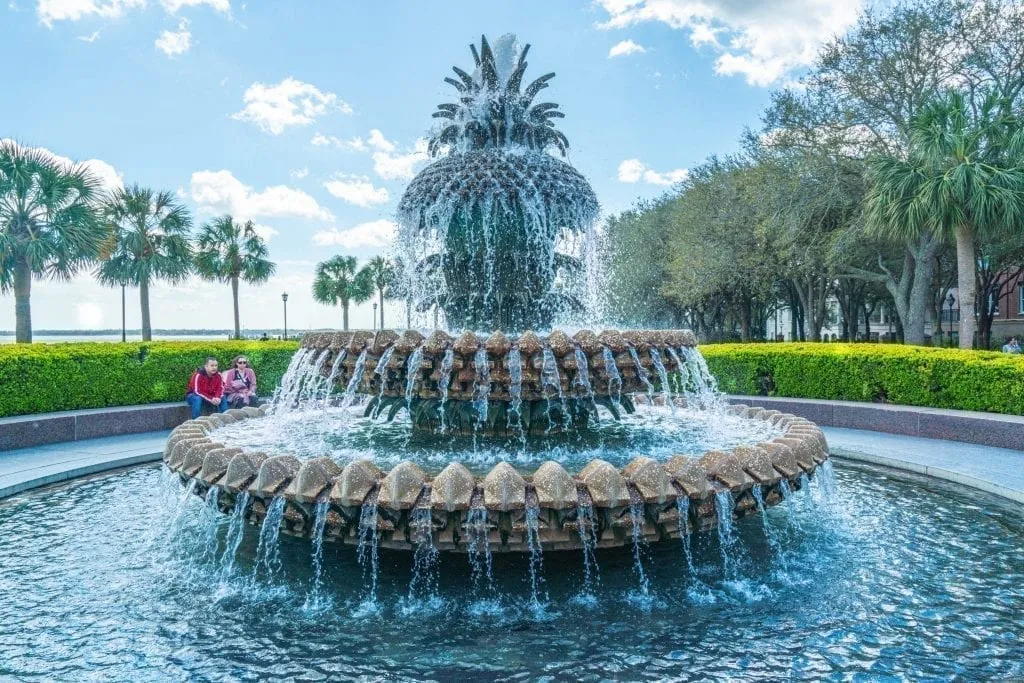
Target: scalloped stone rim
[504,494]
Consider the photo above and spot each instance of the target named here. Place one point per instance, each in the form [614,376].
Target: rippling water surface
[116,578]
[345,435]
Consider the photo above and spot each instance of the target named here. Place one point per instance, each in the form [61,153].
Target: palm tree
[338,282]
[963,177]
[232,252]
[381,274]
[150,233]
[49,224]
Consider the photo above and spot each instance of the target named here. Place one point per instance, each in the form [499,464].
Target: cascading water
[705,385]
[366,550]
[381,371]
[536,556]
[582,379]
[336,366]
[319,523]
[268,554]
[412,371]
[356,379]
[773,541]
[683,511]
[287,392]
[236,530]
[636,515]
[682,376]
[666,390]
[481,386]
[641,372]
[443,382]
[212,523]
[586,522]
[423,584]
[478,548]
[727,540]
[552,385]
[515,371]
[614,378]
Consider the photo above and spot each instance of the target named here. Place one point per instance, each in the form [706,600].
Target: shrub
[43,378]
[909,375]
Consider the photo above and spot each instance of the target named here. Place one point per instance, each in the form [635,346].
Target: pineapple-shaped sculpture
[482,221]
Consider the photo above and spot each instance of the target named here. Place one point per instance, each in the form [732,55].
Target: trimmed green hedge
[909,375]
[44,378]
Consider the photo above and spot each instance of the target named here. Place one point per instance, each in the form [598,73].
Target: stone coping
[677,497]
[986,429]
[26,431]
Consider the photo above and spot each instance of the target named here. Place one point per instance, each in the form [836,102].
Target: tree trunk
[147,330]
[381,292]
[965,283]
[344,316]
[22,301]
[234,298]
[745,319]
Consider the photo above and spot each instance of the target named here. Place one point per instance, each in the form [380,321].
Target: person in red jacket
[206,385]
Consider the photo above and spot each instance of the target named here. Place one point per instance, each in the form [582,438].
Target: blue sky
[309,116]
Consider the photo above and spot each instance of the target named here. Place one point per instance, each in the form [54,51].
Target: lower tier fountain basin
[563,494]
[886,577]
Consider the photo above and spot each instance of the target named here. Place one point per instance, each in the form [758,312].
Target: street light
[375,315]
[284,298]
[124,332]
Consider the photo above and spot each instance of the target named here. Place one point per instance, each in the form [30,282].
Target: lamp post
[950,300]
[124,332]
[284,299]
[374,315]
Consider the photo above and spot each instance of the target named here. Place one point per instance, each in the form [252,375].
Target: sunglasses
[242,362]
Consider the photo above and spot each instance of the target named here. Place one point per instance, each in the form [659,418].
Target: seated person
[240,384]
[206,386]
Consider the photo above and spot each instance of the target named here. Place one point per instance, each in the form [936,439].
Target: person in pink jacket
[240,384]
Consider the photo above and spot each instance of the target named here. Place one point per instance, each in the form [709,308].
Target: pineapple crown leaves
[490,113]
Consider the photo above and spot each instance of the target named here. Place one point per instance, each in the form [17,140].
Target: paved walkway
[996,470]
[29,468]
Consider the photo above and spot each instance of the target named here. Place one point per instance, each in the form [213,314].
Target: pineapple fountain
[519,440]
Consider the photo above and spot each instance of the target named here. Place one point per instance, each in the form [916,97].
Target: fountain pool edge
[509,511]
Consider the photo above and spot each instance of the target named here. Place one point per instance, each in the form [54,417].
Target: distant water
[59,338]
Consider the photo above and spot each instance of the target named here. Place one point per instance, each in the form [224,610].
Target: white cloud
[91,38]
[50,11]
[173,6]
[265,231]
[355,144]
[631,170]
[625,47]
[173,43]
[390,166]
[634,170]
[289,103]
[107,175]
[379,142]
[765,40]
[299,173]
[373,235]
[356,190]
[221,192]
